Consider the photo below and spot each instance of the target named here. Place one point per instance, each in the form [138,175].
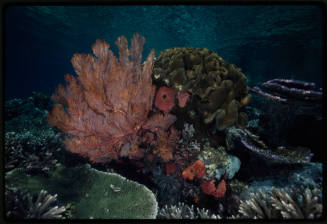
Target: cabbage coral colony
[220,86]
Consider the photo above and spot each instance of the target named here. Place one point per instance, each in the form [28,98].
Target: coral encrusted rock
[220,87]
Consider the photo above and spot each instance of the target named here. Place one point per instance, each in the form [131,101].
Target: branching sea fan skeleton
[104,110]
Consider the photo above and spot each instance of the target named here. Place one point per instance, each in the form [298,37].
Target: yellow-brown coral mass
[221,86]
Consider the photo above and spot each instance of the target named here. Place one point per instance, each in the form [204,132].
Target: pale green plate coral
[95,194]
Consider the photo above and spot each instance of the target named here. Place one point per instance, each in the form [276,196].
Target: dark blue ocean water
[272,41]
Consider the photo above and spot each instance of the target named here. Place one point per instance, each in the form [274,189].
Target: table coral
[94,193]
[221,86]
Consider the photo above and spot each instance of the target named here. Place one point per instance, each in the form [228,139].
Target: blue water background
[265,41]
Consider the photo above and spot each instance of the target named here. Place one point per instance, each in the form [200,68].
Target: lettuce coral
[220,86]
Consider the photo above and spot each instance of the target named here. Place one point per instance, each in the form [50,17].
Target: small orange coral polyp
[182,98]
[208,187]
[165,99]
[221,190]
[164,151]
[197,169]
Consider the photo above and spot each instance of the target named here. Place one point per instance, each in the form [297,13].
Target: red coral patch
[165,99]
[209,188]
[197,169]
[221,189]
[182,98]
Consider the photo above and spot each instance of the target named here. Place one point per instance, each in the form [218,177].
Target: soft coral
[209,188]
[105,108]
[197,169]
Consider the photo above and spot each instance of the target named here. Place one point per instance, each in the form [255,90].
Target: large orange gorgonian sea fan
[105,109]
